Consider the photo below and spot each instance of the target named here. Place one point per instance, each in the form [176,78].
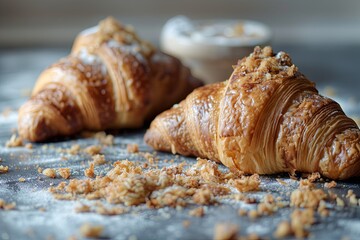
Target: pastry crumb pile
[131,183]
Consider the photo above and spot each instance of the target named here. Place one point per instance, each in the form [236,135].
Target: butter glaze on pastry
[112,79]
[267,118]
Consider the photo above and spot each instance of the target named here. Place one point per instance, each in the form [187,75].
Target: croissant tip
[154,139]
[32,125]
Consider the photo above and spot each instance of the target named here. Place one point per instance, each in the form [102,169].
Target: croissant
[267,118]
[112,79]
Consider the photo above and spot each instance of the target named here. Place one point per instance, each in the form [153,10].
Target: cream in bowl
[209,47]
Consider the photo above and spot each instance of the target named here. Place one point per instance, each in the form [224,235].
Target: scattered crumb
[283,229]
[350,193]
[186,223]
[251,236]
[49,172]
[22,179]
[340,202]
[282,182]
[98,159]
[6,206]
[197,212]
[203,197]
[92,150]
[14,141]
[314,177]
[28,146]
[39,170]
[6,112]
[104,139]
[101,209]
[308,198]
[331,184]
[4,169]
[322,209]
[226,231]
[246,184]
[64,172]
[91,231]
[83,208]
[74,149]
[89,172]
[242,212]
[42,209]
[301,220]
[132,148]
[252,214]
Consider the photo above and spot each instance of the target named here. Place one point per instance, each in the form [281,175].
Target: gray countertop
[335,67]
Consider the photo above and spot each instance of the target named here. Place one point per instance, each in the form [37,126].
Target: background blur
[323,36]
[55,23]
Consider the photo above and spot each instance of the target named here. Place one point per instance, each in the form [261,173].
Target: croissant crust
[111,79]
[267,118]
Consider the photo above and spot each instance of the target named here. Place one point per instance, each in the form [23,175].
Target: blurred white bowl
[211,47]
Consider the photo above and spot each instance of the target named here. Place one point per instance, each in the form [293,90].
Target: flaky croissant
[267,118]
[111,80]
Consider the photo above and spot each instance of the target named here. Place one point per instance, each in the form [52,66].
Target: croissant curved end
[38,122]
[154,138]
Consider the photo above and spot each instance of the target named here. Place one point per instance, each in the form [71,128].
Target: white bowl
[211,47]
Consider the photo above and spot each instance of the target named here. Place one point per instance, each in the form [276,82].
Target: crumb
[203,197]
[64,172]
[197,212]
[306,184]
[314,177]
[89,172]
[91,231]
[98,159]
[132,148]
[322,209]
[308,198]
[186,223]
[253,214]
[101,209]
[49,172]
[226,231]
[7,206]
[14,141]
[42,209]
[150,158]
[242,212]
[83,208]
[246,184]
[283,229]
[92,150]
[22,179]
[6,112]
[28,146]
[251,236]
[282,182]
[39,170]
[349,193]
[301,220]
[331,184]
[4,169]
[74,149]
[104,139]
[340,202]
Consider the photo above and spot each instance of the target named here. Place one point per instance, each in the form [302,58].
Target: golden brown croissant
[111,79]
[267,118]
